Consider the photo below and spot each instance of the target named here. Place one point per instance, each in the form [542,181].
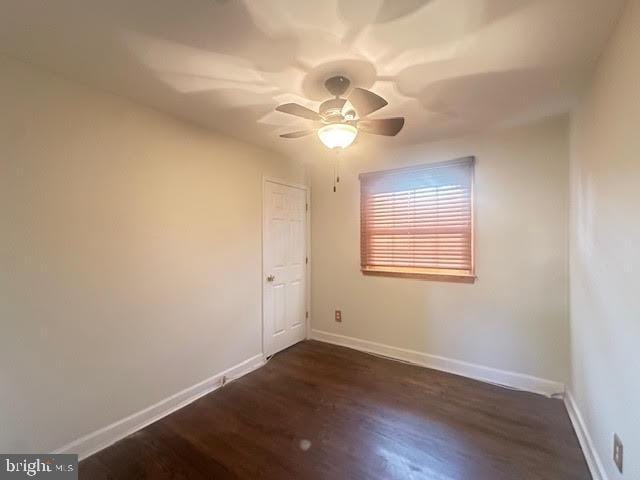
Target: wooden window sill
[441,275]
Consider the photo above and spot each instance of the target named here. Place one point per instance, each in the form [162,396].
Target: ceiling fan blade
[382,126]
[298,110]
[301,133]
[365,102]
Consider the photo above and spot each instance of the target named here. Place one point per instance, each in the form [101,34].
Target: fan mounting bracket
[337,85]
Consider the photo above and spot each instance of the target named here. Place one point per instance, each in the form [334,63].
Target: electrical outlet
[339,316]
[618,452]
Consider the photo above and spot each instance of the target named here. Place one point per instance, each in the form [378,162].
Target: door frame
[279,181]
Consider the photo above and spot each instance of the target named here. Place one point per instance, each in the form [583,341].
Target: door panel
[279,314]
[296,304]
[284,266]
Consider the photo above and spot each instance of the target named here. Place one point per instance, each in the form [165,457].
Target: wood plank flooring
[318,411]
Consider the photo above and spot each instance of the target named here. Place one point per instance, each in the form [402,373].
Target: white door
[284,266]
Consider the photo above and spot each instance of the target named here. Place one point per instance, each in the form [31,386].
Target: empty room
[336,239]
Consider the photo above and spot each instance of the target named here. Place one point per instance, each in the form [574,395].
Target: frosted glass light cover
[337,135]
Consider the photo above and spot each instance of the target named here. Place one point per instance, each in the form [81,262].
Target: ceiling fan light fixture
[337,135]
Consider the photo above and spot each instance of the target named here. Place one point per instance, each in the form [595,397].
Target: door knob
[270,278]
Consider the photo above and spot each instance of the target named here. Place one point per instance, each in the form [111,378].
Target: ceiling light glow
[337,135]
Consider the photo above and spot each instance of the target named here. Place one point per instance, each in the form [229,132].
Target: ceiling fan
[339,120]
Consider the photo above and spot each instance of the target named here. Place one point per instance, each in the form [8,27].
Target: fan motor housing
[331,110]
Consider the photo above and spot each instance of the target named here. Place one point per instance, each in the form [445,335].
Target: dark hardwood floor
[318,411]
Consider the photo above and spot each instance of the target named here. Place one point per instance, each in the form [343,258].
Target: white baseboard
[594,462]
[505,378]
[102,438]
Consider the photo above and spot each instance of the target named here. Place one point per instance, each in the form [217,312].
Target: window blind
[418,220]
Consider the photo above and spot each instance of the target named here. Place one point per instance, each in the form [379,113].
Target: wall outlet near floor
[618,451]
[339,316]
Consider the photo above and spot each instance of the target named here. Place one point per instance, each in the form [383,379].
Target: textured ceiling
[449,66]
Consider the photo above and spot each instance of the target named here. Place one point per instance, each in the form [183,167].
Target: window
[418,221]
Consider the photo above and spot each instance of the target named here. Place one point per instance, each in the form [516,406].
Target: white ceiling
[449,66]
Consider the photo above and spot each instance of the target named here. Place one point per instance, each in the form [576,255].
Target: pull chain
[336,170]
[334,177]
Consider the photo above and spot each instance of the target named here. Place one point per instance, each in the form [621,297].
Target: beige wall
[130,257]
[605,250]
[515,316]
